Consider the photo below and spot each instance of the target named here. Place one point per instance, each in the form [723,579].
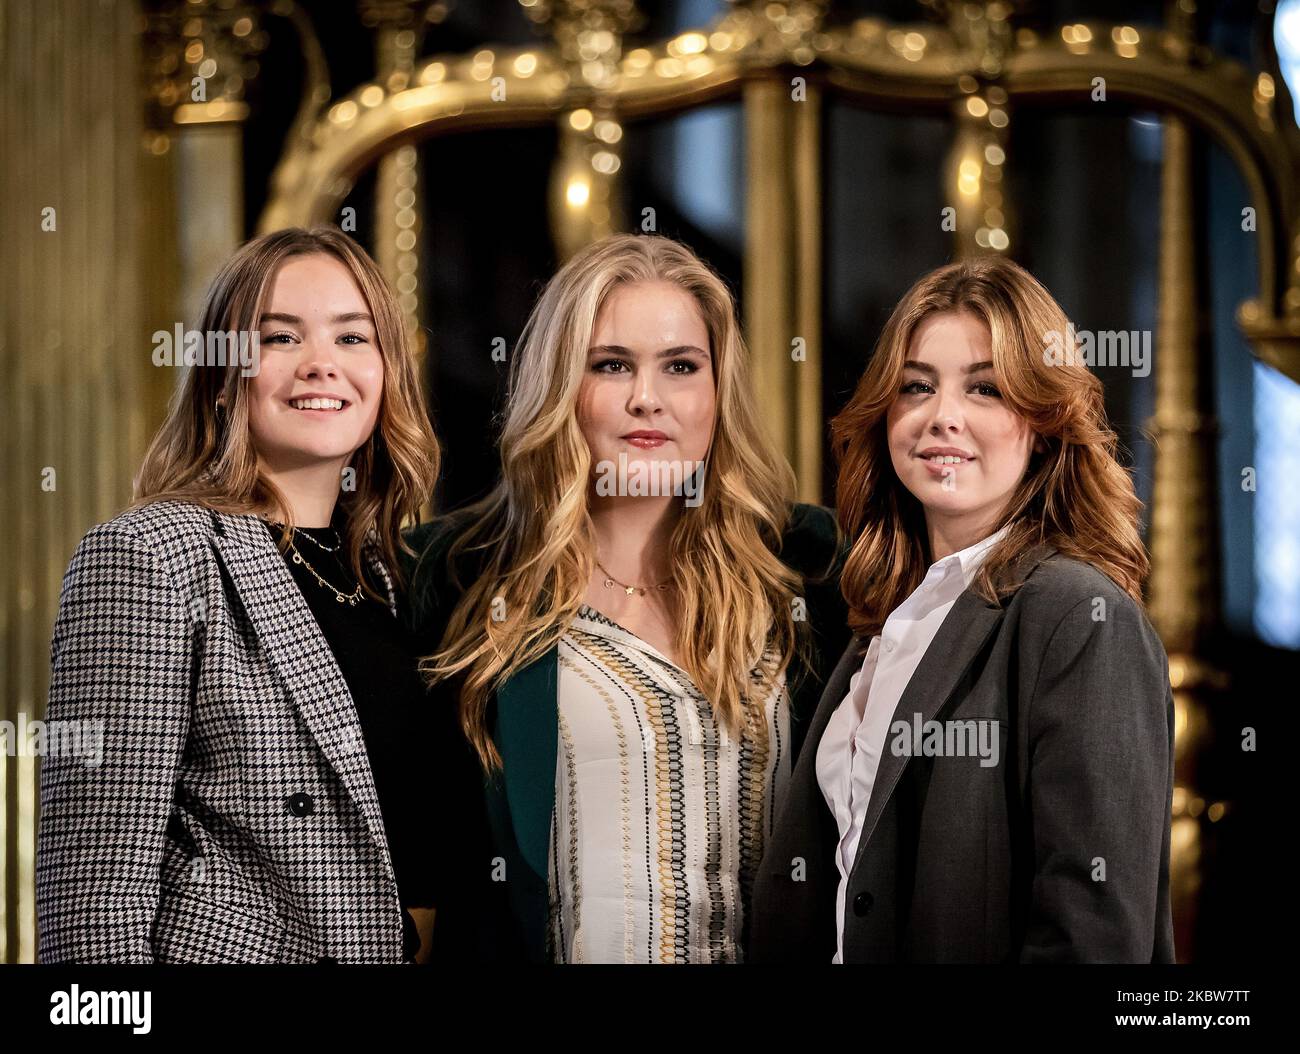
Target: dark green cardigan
[505,821]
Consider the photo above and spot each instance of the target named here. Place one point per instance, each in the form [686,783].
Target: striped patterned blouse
[661,813]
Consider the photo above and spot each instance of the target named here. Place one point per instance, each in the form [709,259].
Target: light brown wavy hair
[735,595]
[205,454]
[1075,494]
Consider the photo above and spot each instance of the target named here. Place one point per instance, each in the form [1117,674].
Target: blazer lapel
[528,739]
[959,640]
[300,655]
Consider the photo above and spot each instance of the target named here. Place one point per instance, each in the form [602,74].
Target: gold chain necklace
[352,598]
[303,531]
[611,582]
[317,542]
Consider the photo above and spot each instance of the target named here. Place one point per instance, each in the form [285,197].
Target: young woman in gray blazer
[234,637]
[989,775]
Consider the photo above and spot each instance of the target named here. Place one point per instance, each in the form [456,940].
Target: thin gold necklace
[611,582]
[352,598]
[303,530]
[317,542]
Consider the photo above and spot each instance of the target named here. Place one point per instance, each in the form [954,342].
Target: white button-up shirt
[849,753]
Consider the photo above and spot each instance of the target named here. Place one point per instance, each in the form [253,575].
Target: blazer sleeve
[1100,779]
[121,663]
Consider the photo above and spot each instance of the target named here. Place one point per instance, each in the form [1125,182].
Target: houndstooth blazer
[233,817]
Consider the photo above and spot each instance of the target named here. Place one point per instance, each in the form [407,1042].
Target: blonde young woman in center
[633,670]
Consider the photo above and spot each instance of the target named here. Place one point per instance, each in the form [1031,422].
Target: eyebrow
[294,320]
[930,371]
[667,353]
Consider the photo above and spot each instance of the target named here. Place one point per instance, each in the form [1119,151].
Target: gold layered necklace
[352,598]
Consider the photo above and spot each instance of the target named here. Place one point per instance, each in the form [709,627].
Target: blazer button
[327,960]
[862,903]
[301,804]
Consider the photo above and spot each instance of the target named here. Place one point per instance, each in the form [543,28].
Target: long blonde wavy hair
[205,454]
[734,593]
[1075,494]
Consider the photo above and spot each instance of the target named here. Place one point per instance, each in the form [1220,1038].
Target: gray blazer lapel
[300,654]
[963,633]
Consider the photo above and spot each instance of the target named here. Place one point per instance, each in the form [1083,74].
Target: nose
[945,412]
[643,399]
[317,361]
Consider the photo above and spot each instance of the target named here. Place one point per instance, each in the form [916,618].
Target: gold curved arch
[888,67]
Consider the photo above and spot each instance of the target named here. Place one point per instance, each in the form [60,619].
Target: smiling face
[649,387]
[316,397]
[954,443]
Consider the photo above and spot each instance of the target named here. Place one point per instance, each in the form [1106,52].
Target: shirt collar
[970,558]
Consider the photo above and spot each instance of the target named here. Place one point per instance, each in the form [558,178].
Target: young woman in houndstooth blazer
[237,815]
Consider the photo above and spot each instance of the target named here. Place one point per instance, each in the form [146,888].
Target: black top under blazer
[234,817]
[1060,853]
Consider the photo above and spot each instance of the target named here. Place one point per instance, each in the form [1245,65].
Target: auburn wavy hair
[1075,494]
[735,595]
[205,454]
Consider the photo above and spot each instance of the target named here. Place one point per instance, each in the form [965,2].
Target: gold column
[76,360]
[1183,589]
[975,186]
[208,168]
[783,264]
[200,56]
[398,30]
[1184,583]
[586,201]
[585,193]
[783,225]
[1184,534]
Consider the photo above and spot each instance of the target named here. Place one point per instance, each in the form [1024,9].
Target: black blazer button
[327,960]
[862,903]
[301,804]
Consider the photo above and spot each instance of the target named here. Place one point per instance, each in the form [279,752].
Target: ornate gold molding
[199,57]
[888,66]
